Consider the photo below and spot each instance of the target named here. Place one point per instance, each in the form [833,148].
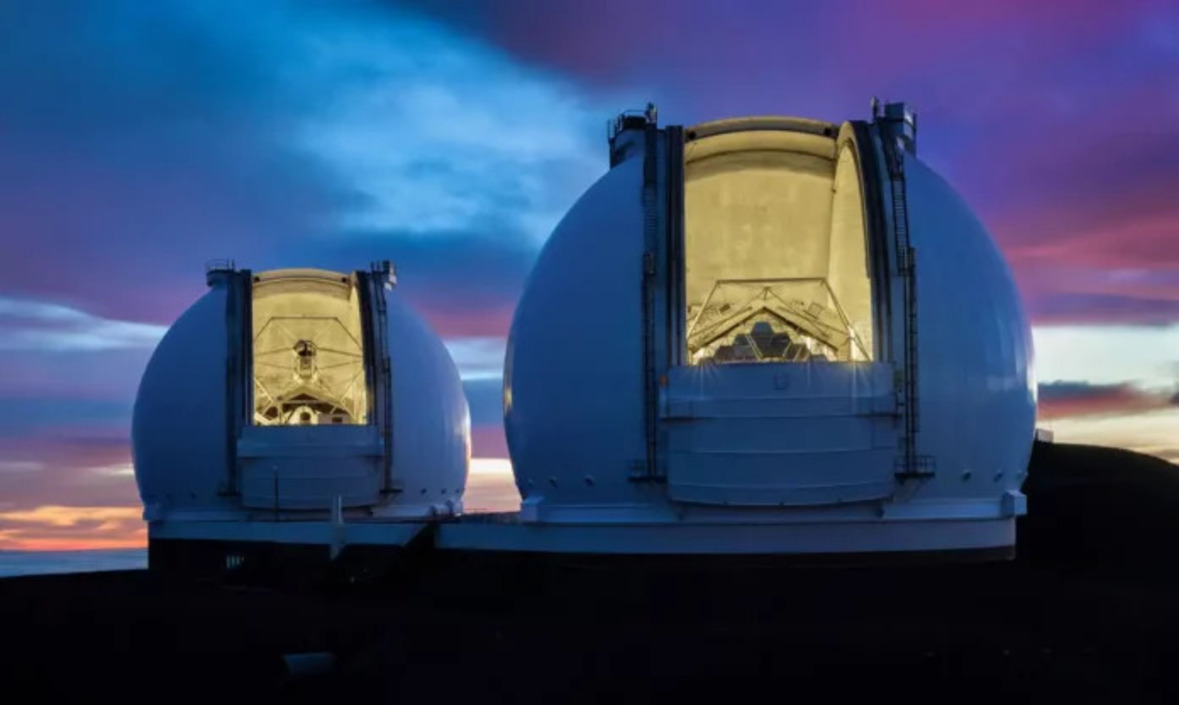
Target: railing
[219,265]
[628,119]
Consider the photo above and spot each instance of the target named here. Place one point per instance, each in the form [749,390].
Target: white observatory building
[297,406]
[768,335]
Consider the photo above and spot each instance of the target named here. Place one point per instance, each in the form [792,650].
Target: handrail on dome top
[219,271]
[629,119]
[220,265]
[386,272]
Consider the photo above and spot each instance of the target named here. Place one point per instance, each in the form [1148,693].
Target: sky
[140,140]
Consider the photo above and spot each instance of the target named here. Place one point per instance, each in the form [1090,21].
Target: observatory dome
[300,391]
[780,321]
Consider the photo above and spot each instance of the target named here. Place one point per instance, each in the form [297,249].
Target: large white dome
[295,391]
[773,320]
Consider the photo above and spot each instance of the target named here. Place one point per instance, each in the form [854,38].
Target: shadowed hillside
[1103,509]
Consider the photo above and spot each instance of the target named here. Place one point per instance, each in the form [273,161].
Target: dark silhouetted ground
[1087,613]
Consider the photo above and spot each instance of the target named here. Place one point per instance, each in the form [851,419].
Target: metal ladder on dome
[384,276]
[649,471]
[910,465]
[634,132]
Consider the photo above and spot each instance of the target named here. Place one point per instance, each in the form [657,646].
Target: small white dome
[297,389]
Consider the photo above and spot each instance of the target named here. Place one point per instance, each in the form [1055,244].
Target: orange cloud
[69,516]
[11,542]
[1150,432]
[61,528]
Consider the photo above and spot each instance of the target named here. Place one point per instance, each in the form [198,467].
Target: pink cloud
[489,442]
[475,321]
[1069,400]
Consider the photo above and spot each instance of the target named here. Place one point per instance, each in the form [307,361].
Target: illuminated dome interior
[307,349]
[775,257]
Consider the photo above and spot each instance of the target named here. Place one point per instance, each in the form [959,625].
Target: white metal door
[797,434]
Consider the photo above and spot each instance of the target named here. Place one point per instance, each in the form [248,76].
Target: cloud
[491,487]
[65,467]
[67,517]
[20,466]
[1081,308]
[144,139]
[22,417]
[1071,399]
[1024,106]
[1145,356]
[446,136]
[485,397]
[64,527]
[478,358]
[141,140]
[1097,244]
[68,489]
[488,441]
[33,325]
[465,283]
[615,41]
[1151,432]
[110,375]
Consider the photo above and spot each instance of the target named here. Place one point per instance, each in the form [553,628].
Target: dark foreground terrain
[1089,612]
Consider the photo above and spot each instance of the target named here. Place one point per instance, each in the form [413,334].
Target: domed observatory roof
[300,391]
[774,322]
